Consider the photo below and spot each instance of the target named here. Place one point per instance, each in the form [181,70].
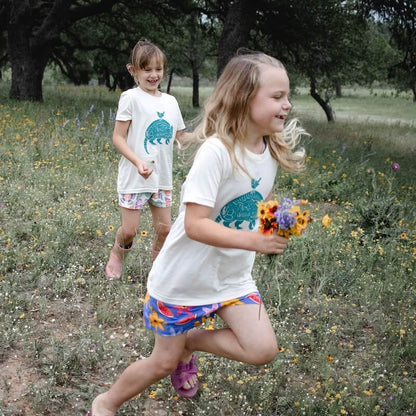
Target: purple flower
[284,218]
[395,166]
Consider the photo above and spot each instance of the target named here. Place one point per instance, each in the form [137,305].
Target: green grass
[358,105]
[341,299]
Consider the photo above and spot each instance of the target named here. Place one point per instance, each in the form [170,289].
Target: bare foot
[99,407]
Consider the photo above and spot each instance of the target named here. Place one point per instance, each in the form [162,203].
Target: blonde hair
[142,54]
[226,112]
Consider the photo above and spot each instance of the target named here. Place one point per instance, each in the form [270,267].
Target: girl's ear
[130,68]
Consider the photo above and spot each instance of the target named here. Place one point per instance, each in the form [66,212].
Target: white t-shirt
[187,272]
[154,123]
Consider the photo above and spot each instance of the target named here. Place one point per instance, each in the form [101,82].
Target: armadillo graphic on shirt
[157,132]
[241,209]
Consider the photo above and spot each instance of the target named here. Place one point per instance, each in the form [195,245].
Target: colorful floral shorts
[169,320]
[160,199]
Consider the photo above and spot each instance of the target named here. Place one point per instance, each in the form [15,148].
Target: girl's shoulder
[131,92]
[169,97]
[215,143]
[214,148]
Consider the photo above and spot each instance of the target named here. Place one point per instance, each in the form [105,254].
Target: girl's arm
[200,227]
[183,139]
[121,129]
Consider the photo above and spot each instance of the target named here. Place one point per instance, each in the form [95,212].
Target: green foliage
[341,298]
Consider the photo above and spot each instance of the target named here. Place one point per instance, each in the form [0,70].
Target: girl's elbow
[189,230]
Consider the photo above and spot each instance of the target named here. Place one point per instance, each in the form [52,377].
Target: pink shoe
[182,374]
[114,266]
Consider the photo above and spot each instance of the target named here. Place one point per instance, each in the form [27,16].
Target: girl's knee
[164,367]
[162,230]
[263,353]
[126,234]
[268,354]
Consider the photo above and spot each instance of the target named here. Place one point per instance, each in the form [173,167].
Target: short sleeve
[124,112]
[179,119]
[211,167]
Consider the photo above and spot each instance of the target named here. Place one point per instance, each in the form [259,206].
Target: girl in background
[205,265]
[147,123]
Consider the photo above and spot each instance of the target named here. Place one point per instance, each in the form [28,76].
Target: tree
[378,55]
[238,21]
[199,43]
[96,48]
[33,31]
[400,17]
[3,38]
[321,38]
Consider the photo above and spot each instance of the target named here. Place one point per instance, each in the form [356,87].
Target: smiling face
[270,107]
[149,77]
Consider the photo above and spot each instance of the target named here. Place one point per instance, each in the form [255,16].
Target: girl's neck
[154,93]
[258,146]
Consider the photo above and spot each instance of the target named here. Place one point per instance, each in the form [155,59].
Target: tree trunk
[338,90]
[27,85]
[236,30]
[28,60]
[325,106]
[195,86]
[171,72]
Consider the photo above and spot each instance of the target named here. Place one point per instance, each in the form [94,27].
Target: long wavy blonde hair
[226,112]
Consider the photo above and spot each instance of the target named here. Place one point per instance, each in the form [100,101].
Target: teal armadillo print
[241,209]
[158,131]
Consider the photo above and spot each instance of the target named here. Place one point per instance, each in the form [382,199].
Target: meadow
[341,299]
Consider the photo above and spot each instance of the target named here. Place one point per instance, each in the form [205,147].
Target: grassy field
[341,299]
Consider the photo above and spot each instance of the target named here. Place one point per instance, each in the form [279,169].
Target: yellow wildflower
[326,220]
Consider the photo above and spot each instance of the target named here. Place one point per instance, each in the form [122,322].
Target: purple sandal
[182,374]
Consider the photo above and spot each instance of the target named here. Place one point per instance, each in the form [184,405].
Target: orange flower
[156,321]
[326,220]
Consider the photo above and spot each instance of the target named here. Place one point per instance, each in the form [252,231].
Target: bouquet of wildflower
[286,219]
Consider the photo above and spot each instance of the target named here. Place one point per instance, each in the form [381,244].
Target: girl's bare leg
[164,359]
[130,219]
[161,223]
[248,338]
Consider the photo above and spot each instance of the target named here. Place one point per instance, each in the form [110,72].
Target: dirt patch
[17,379]
[154,408]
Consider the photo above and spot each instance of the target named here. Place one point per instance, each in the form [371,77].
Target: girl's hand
[272,244]
[143,169]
